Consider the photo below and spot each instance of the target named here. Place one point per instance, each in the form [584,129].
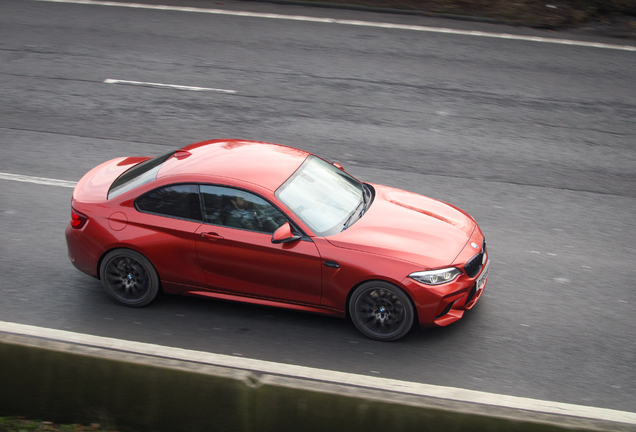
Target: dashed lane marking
[38,180]
[355,23]
[168,86]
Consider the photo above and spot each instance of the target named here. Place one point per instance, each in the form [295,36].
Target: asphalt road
[535,140]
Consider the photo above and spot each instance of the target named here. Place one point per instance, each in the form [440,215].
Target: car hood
[409,227]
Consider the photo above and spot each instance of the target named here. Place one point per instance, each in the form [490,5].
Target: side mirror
[337,165]
[284,234]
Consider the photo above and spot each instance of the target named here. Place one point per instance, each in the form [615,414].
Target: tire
[381,311]
[129,278]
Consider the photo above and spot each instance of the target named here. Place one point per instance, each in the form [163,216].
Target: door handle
[212,236]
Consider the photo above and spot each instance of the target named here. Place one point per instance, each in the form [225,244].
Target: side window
[180,201]
[239,209]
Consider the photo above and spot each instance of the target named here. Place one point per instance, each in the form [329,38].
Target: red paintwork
[248,263]
[421,230]
[401,233]
[264,164]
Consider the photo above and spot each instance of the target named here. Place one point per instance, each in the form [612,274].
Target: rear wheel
[381,310]
[129,277]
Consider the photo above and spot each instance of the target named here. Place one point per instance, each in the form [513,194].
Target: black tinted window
[181,201]
[239,209]
[138,175]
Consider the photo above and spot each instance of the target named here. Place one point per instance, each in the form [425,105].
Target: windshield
[322,196]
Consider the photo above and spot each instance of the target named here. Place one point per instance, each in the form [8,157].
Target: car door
[237,255]
[163,229]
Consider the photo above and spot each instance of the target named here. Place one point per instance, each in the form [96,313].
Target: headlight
[436,277]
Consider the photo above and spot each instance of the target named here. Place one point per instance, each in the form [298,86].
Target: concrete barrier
[125,390]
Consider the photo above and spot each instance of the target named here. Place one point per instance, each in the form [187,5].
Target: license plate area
[481,281]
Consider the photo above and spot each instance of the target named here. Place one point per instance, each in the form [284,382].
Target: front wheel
[129,277]
[381,311]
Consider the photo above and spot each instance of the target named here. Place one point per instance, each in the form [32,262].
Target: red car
[273,225]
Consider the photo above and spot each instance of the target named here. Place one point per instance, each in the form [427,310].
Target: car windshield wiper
[367,200]
[362,203]
[346,224]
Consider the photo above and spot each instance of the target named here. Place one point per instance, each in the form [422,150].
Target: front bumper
[444,304]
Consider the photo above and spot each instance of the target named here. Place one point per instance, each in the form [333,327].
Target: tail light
[78,220]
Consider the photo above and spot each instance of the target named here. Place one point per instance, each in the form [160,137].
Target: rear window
[139,174]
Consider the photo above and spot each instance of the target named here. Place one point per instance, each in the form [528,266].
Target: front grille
[473,266]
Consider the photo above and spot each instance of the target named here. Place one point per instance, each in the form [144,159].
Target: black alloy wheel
[381,310]
[129,278]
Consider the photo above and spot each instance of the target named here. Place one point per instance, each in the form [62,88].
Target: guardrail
[69,377]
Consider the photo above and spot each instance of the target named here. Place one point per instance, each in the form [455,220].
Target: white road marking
[562,280]
[170,86]
[355,23]
[38,180]
[405,387]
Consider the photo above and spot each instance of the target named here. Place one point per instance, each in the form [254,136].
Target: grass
[21,424]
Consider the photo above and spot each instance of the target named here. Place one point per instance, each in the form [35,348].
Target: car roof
[261,163]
